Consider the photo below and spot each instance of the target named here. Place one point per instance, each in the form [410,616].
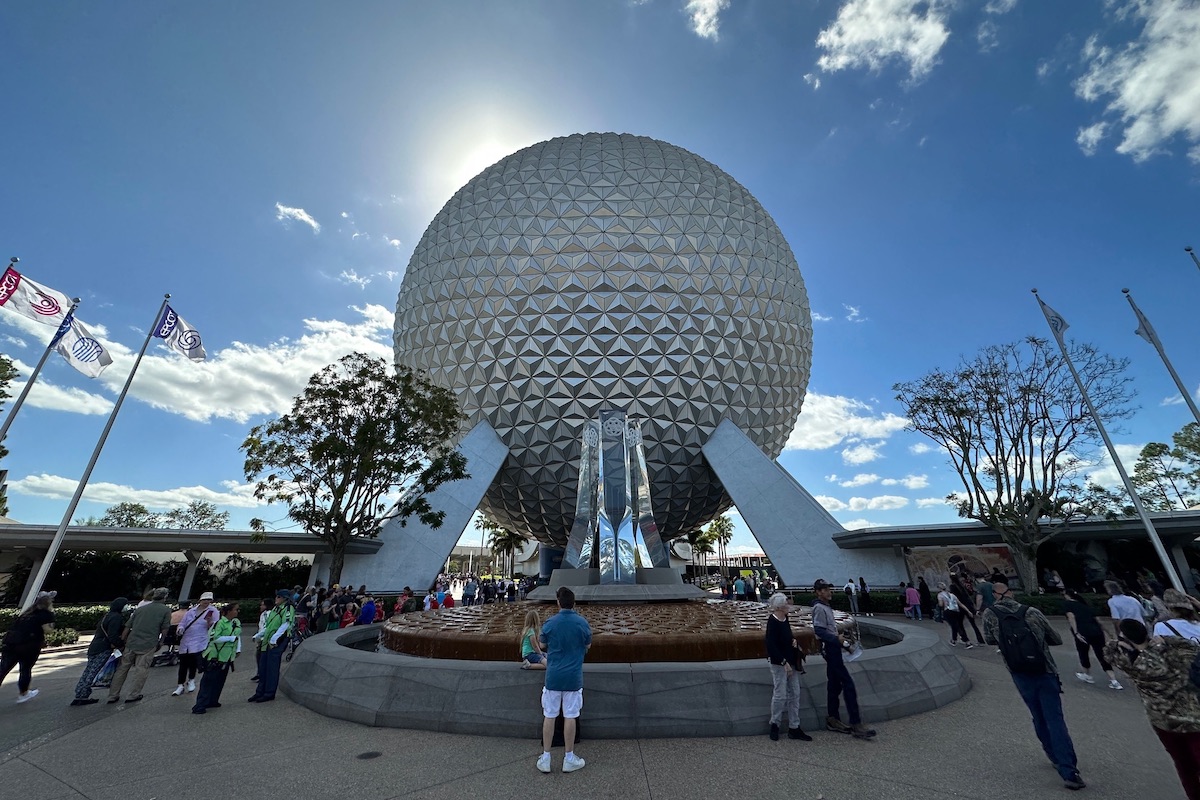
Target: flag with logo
[1058,325]
[31,299]
[82,351]
[179,335]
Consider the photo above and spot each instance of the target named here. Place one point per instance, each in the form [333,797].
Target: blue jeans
[838,682]
[1042,694]
[268,669]
[211,684]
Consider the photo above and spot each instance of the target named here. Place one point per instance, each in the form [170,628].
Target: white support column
[314,571]
[1181,564]
[193,562]
[38,558]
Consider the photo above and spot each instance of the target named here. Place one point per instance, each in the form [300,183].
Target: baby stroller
[301,632]
[170,656]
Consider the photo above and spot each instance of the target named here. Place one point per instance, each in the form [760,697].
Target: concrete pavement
[980,747]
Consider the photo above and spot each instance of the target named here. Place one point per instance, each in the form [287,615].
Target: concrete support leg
[189,577]
[1185,570]
[314,572]
[795,531]
[34,568]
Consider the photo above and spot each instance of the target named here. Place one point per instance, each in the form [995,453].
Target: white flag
[1058,325]
[1144,328]
[31,299]
[179,335]
[81,350]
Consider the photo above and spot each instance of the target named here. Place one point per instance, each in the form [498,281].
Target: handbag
[104,677]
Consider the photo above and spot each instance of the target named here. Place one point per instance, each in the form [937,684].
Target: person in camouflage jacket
[1160,668]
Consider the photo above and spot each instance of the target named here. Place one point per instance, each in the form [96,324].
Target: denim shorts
[533,658]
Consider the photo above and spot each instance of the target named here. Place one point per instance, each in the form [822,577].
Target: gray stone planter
[913,672]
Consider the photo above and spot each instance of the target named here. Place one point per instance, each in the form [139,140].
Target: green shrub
[60,637]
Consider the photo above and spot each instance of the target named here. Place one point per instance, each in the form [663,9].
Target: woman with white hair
[785,661]
[24,641]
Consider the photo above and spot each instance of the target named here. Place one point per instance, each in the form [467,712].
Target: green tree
[1166,478]
[196,516]
[1016,430]
[705,546]
[8,373]
[357,436]
[721,531]
[129,515]
[502,542]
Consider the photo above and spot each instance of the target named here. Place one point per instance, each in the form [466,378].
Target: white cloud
[1089,138]
[351,277]
[393,242]
[1172,400]
[931,502]
[236,494]
[920,448]
[830,420]
[921,142]
[862,453]
[908,481]
[853,314]
[47,395]
[871,33]
[1105,473]
[986,36]
[1151,84]
[813,81]
[831,503]
[285,213]
[705,16]
[885,502]
[859,524]
[1000,6]
[246,380]
[820,317]
[391,274]
[345,215]
[15,341]
[861,479]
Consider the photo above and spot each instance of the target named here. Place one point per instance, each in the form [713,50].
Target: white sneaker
[32,693]
[543,762]
[953,643]
[1114,685]
[1083,676]
[573,762]
[178,691]
[191,686]
[970,646]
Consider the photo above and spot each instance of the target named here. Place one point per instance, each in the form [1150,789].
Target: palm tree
[704,546]
[721,531]
[503,542]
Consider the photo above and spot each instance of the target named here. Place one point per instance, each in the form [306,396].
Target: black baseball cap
[821,583]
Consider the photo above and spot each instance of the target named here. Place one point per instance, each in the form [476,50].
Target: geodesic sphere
[602,270]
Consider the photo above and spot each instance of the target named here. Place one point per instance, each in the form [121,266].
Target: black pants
[864,602]
[955,618]
[971,619]
[187,666]
[839,683]
[1096,642]
[211,684]
[24,656]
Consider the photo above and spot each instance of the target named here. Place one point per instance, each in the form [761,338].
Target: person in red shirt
[449,601]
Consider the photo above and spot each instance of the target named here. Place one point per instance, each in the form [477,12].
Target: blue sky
[272,165]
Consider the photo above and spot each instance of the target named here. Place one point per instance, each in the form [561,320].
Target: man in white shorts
[566,637]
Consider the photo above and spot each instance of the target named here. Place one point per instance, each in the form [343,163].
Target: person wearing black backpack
[1024,635]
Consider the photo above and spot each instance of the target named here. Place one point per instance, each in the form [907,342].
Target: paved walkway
[980,747]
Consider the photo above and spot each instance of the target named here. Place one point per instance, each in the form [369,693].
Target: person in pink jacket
[193,640]
[912,602]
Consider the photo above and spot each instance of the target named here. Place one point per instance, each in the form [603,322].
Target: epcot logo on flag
[46,305]
[179,335]
[86,350]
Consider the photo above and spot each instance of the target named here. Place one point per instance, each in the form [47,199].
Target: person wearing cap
[1041,691]
[106,639]
[193,640]
[272,640]
[143,633]
[23,643]
[1182,618]
[838,680]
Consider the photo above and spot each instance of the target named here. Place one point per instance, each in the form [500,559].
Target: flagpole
[1112,451]
[61,533]
[33,376]
[1192,253]
[1153,337]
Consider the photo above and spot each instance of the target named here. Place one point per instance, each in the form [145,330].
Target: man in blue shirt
[838,680]
[566,637]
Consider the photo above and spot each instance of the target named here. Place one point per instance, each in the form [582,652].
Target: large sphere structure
[601,270]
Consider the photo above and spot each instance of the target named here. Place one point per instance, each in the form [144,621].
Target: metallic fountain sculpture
[614,528]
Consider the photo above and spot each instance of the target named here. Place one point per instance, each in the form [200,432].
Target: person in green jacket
[272,640]
[143,634]
[224,645]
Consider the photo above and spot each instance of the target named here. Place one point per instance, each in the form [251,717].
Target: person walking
[1024,637]
[224,645]
[786,663]
[838,681]
[106,639]
[864,597]
[851,590]
[193,639]
[912,603]
[1160,669]
[925,595]
[1086,631]
[566,637]
[739,588]
[23,643]
[272,640]
[143,633]
[1122,606]
[953,613]
[965,592]
[1181,618]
